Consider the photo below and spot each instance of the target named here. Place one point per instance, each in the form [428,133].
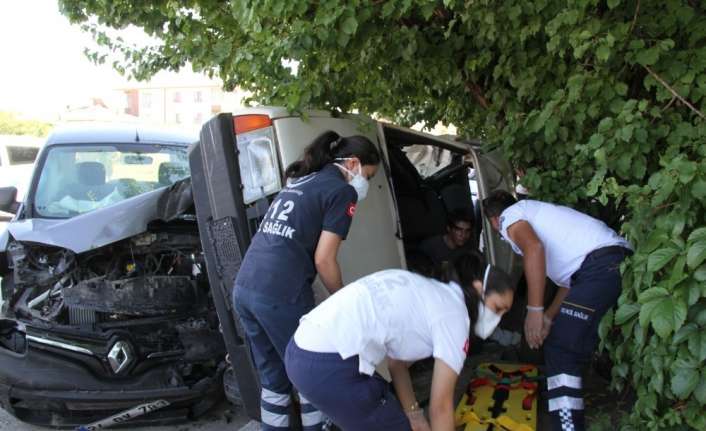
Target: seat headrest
[91,173]
[170,172]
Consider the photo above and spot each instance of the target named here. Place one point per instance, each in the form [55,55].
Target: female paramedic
[405,317]
[299,237]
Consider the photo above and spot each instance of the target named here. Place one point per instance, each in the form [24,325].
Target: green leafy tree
[600,102]
[11,125]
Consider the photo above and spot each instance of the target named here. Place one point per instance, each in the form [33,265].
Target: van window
[22,155]
[427,159]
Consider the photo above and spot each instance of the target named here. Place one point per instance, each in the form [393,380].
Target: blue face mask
[358,181]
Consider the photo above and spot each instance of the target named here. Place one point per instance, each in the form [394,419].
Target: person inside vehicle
[582,255]
[404,317]
[457,239]
[298,238]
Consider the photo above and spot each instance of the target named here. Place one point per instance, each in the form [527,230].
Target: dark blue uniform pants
[595,288]
[268,328]
[353,401]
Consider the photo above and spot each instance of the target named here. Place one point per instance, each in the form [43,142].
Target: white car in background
[17,156]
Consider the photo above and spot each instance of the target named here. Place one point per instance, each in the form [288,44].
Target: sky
[42,65]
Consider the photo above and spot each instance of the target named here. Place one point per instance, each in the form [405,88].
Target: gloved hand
[533,328]
[417,420]
[546,326]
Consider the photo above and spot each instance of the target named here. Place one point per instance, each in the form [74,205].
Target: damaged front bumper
[61,381]
[104,313]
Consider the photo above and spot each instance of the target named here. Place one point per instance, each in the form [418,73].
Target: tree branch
[634,19]
[674,93]
[477,93]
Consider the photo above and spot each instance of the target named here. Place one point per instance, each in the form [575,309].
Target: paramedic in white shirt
[582,255]
[404,317]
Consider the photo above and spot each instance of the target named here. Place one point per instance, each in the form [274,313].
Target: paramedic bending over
[298,238]
[405,317]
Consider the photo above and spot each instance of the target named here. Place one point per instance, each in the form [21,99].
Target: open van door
[223,228]
[493,172]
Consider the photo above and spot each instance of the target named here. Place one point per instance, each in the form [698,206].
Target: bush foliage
[597,101]
[11,125]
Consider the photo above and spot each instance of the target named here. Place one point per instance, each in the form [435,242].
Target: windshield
[78,179]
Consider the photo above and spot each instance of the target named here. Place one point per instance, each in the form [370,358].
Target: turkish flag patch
[466,347]
[351,209]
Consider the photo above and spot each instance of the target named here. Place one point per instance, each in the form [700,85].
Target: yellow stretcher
[500,397]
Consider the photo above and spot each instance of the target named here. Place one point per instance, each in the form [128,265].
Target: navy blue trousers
[353,401]
[595,288]
[268,328]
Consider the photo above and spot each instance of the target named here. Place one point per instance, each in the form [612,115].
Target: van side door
[493,172]
[372,242]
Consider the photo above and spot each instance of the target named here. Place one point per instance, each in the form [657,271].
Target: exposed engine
[152,274]
[150,289]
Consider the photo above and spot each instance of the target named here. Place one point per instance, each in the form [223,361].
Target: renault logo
[120,356]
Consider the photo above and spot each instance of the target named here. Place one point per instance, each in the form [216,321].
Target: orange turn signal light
[247,123]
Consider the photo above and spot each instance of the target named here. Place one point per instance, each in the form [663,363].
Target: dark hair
[458,215]
[330,146]
[464,270]
[497,202]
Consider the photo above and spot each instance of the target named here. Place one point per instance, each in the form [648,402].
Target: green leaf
[655,239]
[668,316]
[603,52]
[626,312]
[687,170]
[612,4]
[659,258]
[349,25]
[698,189]
[700,273]
[696,254]
[697,234]
[684,382]
[697,345]
[684,333]
[646,312]
[651,294]
[700,390]
[648,57]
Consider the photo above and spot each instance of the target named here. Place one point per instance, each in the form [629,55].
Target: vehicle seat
[91,184]
[170,172]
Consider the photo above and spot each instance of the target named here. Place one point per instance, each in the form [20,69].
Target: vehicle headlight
[259,170]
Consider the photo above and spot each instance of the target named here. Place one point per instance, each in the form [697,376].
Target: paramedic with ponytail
[299,238]
[404,317]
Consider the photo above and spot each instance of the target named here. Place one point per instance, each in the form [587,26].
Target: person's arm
[441,407]
[533,260]
[326,262]
[399,371]
[553,309]
[551,312]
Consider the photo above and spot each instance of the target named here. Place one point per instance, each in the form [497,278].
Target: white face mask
[358,181]
[487,320]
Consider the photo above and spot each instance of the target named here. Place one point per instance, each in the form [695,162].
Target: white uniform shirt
[567,235]
[391,313]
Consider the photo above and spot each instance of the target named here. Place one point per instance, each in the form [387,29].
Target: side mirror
[8,196]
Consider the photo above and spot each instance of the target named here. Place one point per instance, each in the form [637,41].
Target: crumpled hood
[106,225]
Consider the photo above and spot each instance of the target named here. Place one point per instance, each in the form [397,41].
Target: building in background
[185,100]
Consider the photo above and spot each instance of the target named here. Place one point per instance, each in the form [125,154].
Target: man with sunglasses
[458,238]
[582,255]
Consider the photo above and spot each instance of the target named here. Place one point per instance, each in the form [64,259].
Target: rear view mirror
[137,159]
[8,199]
